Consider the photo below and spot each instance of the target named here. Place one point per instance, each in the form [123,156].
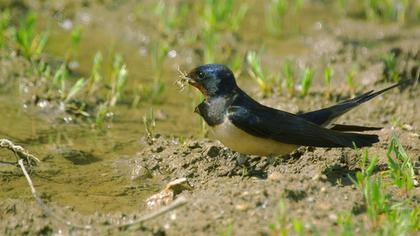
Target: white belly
[242,142]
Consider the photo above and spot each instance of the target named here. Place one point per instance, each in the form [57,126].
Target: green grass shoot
[149,123]
[391,70]
[328,73]
[29,43]
[210,40]
[256,72]
[220,14]
[75,36]
[171,17]
[58,83]
[389,10]
[101,113]
[350,79]
[308,75]
[159,54]
[387,216]
[4,26]
[275,18]
[95,79]
[289,75]
[75,89]
[119,76]
[401,169]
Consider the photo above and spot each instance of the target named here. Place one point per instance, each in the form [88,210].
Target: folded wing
[288,128]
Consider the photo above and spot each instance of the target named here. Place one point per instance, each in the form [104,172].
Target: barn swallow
[248,127]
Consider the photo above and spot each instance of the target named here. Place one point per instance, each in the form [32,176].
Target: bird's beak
[194,83]
[191,80]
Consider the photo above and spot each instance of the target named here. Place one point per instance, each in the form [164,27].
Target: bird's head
[212,80]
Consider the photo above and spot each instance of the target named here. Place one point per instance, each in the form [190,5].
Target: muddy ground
[229,192]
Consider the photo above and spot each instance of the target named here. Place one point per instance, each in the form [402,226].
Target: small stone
[275,176]
[333,217]
[323,189]
[242,207]
[407,127]
[320,177]
[414,135]
[324,206]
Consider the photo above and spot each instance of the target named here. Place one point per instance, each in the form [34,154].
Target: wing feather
[288,128]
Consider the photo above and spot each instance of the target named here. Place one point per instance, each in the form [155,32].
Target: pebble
[333,217]
[321,177]
[275,176]
[407,127]
[242,207]
[324,206]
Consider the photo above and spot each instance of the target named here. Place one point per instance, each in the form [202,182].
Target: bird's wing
[287,128]
[324,117]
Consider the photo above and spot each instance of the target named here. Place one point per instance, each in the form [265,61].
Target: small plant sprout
[289,75]
[384,214]
[391,70]
[101,114]
[155,92]
[118,80]
[76,35]
[308,75]
[342,6]
[284,224]
[4,25]
[95,75]
[159,53]
[235,63]
[328,73]
[388,10]
[149,123]
[279,227]
[210,40]
[59,81]
[401,169]
[371,187]
[277,10]
[256,72]
[30,43]
[228,231]
[345,223]
[171,17]
[350,79]
[75,89]
[220,14]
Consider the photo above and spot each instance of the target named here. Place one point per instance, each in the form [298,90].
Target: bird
[247,127]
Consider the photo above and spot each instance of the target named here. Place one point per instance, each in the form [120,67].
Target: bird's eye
[201,75]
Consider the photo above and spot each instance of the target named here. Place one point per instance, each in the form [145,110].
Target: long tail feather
[340,127]
[325,116]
